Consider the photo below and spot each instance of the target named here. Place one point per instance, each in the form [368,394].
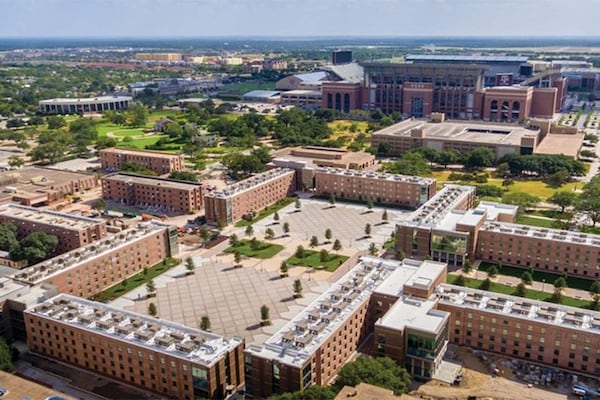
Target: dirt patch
[480,382]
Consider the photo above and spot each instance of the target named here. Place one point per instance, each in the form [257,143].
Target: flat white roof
[294,343]
[48,217]
[158,335]
[89,100]
[414,313]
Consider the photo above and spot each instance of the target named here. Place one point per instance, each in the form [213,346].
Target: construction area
[492,377]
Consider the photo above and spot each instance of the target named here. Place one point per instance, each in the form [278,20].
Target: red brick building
[113,159]
[249,196]
[89,270]
[389,189]
[72,231]
[168,195]
[169,359]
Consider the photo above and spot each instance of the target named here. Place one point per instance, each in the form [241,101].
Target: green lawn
[136,280]
[245,87]
[263,251]
[140,143]
[534,187]
[533,221]
[510,290]
[267,211]
[539,276]
[313,259]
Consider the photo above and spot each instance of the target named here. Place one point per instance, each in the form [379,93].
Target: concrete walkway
[546,287]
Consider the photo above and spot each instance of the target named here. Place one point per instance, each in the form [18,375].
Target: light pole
[543,284]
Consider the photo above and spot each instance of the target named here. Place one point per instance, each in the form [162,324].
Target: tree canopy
[380,371]
[412,163]
[36,247]
[542,165]
[311,393]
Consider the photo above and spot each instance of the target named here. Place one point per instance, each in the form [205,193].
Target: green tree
[314,241]
[249,231]
[486,284]
[332,199]
[284,269]
[523,200]
[15,162]
[150,287]
[204,234]
[368,230]
[56,122]
[286,229]
[300,252]
[589,200]
[563,199]
[412,163]
[467,266]
[297,288]
[137,115]
[478,158]
[233,240]
[323,255]
[447,157]
[526,278]
[328,235]
[460,281]
[399,255]
[560,283]
[189,265]
[558,178]
[254,244]
[521,290]
[6,363]
[493,271]
[378,371]
[36,247]
[184,176]
[370,205]
[276,217]
[297,204]
[237,257]
[384,217]
[100,205]
[337,245]
[49,153]
[269,234]
[265,315]
[152,310]
[373,249]
[205,323]
[595,293]
[557,296]
[8,236]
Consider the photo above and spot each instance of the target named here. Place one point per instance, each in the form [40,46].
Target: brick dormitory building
[167,195]
[88,270]
[166,358]
[71,231]
[113,159]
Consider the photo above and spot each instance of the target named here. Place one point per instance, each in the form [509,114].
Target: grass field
[244,87]
[263,251]
[510,290]
[267,211]
[341,129]
[534,187]
[539,276]
[313,259]
[135,281]
[533,221]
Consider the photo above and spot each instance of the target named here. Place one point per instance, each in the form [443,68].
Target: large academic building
[84,105]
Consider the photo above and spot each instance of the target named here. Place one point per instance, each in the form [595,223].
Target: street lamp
[543,284]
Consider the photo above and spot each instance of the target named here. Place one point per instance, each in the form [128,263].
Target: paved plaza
[230,297]
[346,221]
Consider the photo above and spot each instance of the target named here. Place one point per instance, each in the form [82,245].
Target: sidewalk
[546,287]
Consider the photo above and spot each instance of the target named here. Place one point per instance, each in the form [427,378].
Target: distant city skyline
[296,18]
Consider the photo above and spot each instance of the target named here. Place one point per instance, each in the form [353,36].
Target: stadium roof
[464,58]
[351,72]
[313,77]
[264,94]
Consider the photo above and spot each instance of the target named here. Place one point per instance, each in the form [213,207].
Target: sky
[297,18]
